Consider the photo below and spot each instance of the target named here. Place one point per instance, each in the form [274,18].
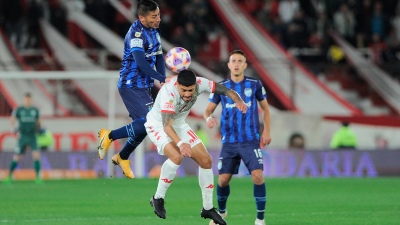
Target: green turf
[333,201]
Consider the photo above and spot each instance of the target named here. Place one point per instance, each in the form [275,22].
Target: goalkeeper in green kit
[28,124]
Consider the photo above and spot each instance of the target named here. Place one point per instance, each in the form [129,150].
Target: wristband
[208,118]
[179,143]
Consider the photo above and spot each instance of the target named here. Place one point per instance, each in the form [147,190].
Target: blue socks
[222,197]
[260,197]
[135,128]
[130,146]
[136,133]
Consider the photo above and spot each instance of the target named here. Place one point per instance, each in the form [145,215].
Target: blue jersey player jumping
[142,52]
[240,134]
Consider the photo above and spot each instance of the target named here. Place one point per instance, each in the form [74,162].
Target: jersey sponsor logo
[137,34]
[248,92]
[136,42]
[233,105]
[151,54]
[169,105]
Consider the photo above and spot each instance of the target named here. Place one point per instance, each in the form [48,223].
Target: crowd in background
[370,24]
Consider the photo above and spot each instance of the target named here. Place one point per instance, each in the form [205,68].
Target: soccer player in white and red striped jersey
[168,130]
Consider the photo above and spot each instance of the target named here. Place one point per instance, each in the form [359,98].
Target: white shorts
[161,139]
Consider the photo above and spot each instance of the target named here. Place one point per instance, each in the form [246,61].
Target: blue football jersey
[236,126]
[139,38]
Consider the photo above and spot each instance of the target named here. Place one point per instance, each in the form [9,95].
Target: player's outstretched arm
[144,66]
[221,89]
[211,121]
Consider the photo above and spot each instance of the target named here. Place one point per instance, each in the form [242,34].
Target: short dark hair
[146,6]
[237,51]
[28,94]
[345,123]
[187,78]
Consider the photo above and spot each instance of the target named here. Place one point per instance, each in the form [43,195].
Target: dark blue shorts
[138,101]
[232,153]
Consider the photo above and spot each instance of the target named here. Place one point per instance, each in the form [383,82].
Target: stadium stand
[209,39]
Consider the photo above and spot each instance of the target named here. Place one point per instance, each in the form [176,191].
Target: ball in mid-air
[177,59]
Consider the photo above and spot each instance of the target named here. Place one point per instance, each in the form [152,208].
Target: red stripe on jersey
[213,87]
[168,111]
[192,134]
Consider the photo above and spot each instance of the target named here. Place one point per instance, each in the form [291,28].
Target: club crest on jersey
[33,113]
[248,92]
[137,34]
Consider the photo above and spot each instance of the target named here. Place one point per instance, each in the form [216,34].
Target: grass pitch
[306,201]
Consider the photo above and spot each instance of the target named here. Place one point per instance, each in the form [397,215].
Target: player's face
[27,101]
[186,93]
[152,19]
[237,64]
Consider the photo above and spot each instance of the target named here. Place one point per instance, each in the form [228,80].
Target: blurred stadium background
[321,62]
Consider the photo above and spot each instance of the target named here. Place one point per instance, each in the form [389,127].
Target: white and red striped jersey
[168,100]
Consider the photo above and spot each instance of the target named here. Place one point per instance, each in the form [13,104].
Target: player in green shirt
[28,123]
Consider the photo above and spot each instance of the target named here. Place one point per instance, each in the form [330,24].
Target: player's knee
[258,177]
[205,162]
[223,182]
[36,155]
[176,158]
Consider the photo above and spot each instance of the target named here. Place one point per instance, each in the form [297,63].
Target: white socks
[206,182]
[168,172]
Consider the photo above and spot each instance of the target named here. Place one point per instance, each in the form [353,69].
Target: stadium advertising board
[61,165]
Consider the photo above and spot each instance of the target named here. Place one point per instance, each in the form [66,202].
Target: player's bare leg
[206,182]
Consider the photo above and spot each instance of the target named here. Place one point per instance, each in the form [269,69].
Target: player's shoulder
[19,108]
[136,29]
[224,81]
[171,85]
[251,79]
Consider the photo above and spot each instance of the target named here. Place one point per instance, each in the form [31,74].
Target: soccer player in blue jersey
[142,52]
[241,139]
